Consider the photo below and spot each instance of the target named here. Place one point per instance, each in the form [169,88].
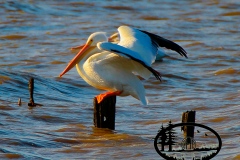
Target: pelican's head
[91,44]
[96,37]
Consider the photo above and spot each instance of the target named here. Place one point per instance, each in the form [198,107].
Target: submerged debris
[19,102]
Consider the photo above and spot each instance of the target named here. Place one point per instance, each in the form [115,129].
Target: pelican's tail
[145,101]
[140,92]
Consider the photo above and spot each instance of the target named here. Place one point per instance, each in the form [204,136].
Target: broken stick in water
[31,88]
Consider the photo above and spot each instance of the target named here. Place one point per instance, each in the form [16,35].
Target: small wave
[119,7]
[13,37]
[152,18]
[231,14]
[18,6]
[226,71]
[4,78]
[13,155]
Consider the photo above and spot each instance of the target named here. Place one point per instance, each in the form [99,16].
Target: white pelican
[114,67]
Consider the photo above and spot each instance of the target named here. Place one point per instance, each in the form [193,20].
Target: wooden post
[188,116]
[104,113]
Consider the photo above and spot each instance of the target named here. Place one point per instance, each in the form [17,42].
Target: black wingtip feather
[155,73]
[162,42]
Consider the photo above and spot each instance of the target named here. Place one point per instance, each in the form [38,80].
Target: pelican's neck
[79,65]
[90,53]
[80,70]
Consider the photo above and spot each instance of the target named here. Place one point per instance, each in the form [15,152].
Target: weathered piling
[188,131]
[104,113]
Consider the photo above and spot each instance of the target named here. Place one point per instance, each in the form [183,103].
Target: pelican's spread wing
[127,53]
[145,43]
[159,41]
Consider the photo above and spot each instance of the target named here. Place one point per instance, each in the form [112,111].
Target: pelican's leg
[100,97]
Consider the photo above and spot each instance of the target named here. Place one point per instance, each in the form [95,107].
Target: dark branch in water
[31,88]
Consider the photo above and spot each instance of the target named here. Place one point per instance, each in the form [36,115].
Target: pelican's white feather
[139,42]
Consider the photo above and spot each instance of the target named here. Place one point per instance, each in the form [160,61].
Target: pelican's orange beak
[85,49]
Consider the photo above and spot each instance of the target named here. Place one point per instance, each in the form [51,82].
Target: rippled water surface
[35,41]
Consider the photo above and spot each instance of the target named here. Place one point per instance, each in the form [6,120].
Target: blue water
[35,41]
